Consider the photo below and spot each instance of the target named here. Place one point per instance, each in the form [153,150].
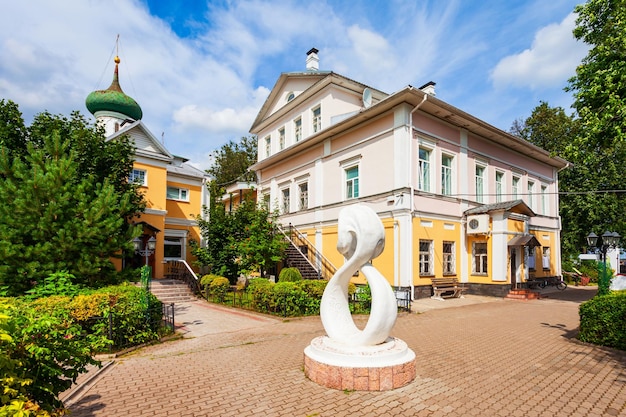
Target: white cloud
[551,60]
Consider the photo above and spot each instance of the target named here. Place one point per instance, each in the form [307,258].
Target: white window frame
[281,138]
[482,258]
[182,193]
[351,183]
[297,129]
[515,181]
[423,169]
[499,186]
[303,197]
[268,146]
[449,259]
[447,175]
[545,258]
[531,259]
[544,199]
[530,186]
[480,181]
[426,258]
[138,176]
[316,118]
[179,235]
[285,200]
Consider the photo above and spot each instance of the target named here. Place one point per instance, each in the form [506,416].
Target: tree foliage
[232,160]
[246,239]
[598,151]
[66,201]
[239,242]
[594,138]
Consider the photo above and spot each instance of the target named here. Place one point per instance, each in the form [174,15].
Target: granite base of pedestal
[382,367]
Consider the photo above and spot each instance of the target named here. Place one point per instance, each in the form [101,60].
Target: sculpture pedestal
[382,367]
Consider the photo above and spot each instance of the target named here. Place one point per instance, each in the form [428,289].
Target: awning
[147,225]
[524,240]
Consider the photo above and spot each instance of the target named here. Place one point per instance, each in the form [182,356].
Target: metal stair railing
[181,271]
[314,257]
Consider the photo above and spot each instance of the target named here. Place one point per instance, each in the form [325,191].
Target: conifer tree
[66,202]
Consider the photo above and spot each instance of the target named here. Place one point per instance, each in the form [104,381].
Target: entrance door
[513,258]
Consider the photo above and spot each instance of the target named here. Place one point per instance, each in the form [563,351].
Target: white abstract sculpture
[361,238]
[350,358]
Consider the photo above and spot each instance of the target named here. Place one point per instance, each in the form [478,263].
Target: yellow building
[457,197]
[174,191]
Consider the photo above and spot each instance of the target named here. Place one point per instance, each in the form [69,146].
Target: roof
[524,240]
[113,99]
[427,104]
[515,206]
[186,170]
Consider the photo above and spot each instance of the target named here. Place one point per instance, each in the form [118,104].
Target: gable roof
[317,81]
[145,142]
[515,206]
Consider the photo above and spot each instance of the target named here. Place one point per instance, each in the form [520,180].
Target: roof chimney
[429,88]
[312,60]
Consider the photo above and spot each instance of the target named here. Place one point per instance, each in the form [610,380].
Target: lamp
[145,250]
[609,240]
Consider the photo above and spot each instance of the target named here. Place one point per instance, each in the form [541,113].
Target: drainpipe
[412,197]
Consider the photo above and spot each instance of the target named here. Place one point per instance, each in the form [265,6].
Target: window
[175,193]
[448,258]
[268,146]
[515,187]
[480,183]
[266,201]
[285,203]
[173,248]
[297,129]
[317,119]
[531,190]
[424,170]
[281,138]
[479,258]
[303,196]
[544,199]
[138,176]
[499,186]
[530,260]
[290,96]
[352,182]
[446,175]
[426,257]
[545,257]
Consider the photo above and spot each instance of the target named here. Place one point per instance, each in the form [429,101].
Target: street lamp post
[602,244]
[146,250]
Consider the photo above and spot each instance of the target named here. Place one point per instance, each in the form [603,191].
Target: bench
[446,287]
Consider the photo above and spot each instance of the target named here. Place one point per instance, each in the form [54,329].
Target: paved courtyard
[475,357]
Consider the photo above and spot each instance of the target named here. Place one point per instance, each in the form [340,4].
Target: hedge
[603,320]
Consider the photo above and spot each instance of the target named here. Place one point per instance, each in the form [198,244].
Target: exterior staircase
[523,294]
[171,291]
[296,259]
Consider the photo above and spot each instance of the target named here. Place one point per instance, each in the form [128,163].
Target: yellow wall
[433,229]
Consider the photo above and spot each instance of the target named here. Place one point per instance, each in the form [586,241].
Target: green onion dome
[113,100]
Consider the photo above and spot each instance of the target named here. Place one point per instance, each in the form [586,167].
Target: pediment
[146,144]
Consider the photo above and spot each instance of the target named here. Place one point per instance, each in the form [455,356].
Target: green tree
[66,203]
[246,239]
[598,152]
[232,160]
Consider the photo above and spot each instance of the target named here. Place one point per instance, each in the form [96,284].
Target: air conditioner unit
[478,224]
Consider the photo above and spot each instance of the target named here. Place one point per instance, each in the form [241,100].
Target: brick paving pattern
[501,358]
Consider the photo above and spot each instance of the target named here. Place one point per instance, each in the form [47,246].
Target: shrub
[41,355]
[219,288]
[603,320]
[290,275]
[59,283]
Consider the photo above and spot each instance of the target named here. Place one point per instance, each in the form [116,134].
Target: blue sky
[201,70]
